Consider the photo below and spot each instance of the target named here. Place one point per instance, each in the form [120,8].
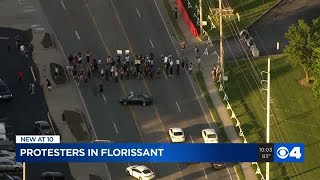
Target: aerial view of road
[88,36]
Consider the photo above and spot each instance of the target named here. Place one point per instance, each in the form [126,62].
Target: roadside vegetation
[295,111]
[249,11]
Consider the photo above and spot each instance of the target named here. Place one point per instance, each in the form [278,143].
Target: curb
[50,120]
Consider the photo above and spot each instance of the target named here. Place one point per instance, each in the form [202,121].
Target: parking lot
[20,114]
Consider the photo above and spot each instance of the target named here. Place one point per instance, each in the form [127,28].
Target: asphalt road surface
[103,26]
[25,109]
[271,28]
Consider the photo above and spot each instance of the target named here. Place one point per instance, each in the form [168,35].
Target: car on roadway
[5,93]
[209,136]
[218,166]
[8,177]
[7,155]
[3,132]
[136,99]
[176,135]
[10,165]
[140,172]
[43,128]
[8,146]
[101,141]
[52,176]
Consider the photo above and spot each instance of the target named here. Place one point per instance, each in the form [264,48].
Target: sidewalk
[207,62]
[60,98]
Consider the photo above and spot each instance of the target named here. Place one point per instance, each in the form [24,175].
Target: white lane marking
[34,77]
[62,3]
[151,43]
[235,170]
[34,25]
[115,127]
[204,172]
[4,38]
[138,12]
[2,119]
[178,106]
[77,34]
[191,138]
[29,10]
[165,74]
[230,173]
[104,97]
[84,105]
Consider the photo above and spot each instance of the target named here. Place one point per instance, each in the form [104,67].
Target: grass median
[76,125]
[294,111]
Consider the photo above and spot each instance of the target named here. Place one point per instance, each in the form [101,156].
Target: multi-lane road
[104,26]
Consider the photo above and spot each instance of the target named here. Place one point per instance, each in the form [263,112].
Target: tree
[302,40]
[316,70]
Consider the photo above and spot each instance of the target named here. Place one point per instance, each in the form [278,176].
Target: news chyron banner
[49,149]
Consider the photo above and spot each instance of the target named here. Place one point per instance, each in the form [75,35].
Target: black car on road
[138,98]
[218,166]
[5,93]
[52,176]
[43,128]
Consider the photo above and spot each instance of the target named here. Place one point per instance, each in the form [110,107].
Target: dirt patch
[303,82]
[76,125]
[59,78]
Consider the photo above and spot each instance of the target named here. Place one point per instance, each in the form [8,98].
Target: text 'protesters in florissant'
[92,152]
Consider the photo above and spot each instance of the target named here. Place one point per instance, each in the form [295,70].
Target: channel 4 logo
[288,152]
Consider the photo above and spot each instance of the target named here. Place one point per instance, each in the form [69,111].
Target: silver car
[7,155]
[10,165]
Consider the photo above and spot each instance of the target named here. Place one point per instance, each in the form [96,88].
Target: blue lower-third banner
[158,152]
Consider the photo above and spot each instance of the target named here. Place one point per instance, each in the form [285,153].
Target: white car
[9,165]
[140,172]
[176,135]
[209,136]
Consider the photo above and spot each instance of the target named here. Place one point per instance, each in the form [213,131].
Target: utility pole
[268,114]
[268,117]
[200,14]
[221,12]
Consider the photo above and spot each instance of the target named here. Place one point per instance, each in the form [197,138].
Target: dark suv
[5,93]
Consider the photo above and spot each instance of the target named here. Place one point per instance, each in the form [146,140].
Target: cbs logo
[283,152]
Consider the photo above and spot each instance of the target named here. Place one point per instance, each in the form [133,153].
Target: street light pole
[200,14]
[221,44]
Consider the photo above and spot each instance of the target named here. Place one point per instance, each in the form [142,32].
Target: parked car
[7,155]
[218,166]
[8,146]
[5,93]
[176,135]
[52,176]
[140,172]
[3,132]
[139,98]
[43,128]
[209,136]
[10,165]
[8,177]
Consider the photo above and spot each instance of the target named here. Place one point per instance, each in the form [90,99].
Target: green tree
[302,40]
[316,70]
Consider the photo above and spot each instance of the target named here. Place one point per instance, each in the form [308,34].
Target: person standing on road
[9,47]
[171,68]
[22,49]
[101,88]
[18,42]
[49,84]
[176,12]
[20,77]
[183,47]
[187,64]
[165,61]
[31,88]
[88,56]
[178,66]
[196,50]
[190,68]
[199,62]
[79,58]
[116,76]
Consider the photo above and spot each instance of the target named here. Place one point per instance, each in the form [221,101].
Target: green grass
[212,109]
[249,11]
[175,25]
[239,172]
[76,125]
[295,112]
